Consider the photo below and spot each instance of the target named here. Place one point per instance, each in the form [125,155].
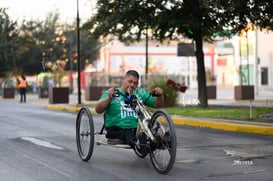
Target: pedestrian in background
[22,88]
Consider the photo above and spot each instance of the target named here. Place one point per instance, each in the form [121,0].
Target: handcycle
[155,135]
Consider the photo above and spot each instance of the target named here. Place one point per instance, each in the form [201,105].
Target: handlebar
[127,96]
[131,99]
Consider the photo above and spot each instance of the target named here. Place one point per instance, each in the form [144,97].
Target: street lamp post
[146,55]
[78,54]
[247,56]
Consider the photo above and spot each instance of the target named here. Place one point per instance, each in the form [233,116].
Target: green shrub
[170,95]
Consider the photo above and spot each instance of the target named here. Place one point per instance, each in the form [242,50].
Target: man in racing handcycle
[120,120]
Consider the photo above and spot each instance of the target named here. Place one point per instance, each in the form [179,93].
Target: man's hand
[111,92]
[159,99]
[158,91]
[102,105]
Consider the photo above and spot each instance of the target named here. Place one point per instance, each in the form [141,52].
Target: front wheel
[141,146]
[85,133]
[163,150]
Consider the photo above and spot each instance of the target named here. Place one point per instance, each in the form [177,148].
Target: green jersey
[120,114]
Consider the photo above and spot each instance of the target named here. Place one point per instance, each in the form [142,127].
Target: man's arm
[159,99]
[103,104]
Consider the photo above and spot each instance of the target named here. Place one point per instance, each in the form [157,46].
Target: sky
[38,9]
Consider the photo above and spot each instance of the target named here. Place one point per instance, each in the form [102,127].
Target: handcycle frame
[160,136]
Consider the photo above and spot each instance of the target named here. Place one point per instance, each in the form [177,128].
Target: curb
[72,109]
[227,126]
[235,126]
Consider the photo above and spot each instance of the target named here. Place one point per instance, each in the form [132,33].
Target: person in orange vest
[22,88]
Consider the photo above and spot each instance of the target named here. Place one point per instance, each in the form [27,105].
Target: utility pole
[146,56]
[78,54]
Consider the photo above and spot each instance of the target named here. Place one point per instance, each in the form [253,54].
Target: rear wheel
[85,133]
[163,150]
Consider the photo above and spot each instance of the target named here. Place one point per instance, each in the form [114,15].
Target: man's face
[129,84]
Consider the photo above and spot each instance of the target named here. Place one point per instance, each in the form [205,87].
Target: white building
[255,57]
[223,60]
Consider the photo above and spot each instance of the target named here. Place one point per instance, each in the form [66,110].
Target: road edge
[195,122]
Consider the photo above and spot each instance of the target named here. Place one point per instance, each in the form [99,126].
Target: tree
[30,60]
[9,48]
[200,20]
[36,39]
[49,41]
[89,50]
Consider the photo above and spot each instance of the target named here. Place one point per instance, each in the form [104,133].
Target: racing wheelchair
[156,128]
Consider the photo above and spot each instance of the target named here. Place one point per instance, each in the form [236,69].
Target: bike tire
[85,134]
[163,150]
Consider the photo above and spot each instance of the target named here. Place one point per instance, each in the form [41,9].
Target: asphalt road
[39,144]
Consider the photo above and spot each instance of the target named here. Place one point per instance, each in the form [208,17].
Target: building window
[264,75]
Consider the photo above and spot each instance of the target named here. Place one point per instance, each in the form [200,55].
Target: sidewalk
[224,97]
